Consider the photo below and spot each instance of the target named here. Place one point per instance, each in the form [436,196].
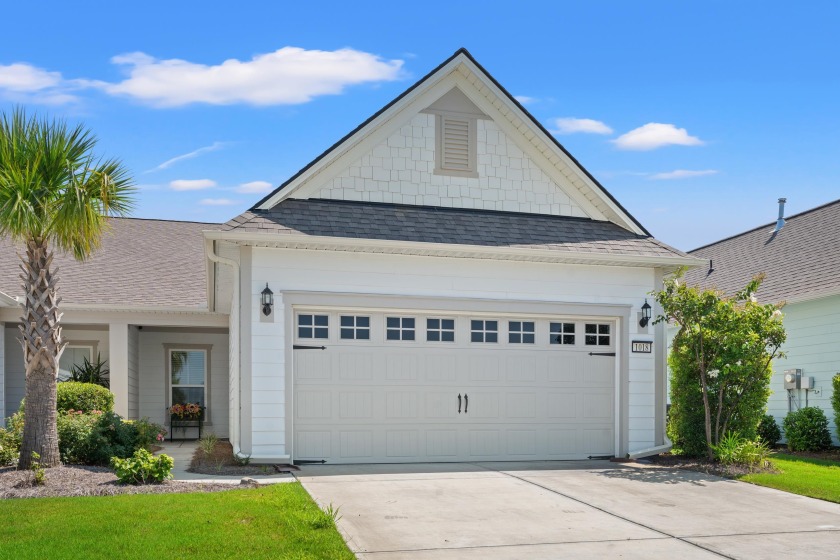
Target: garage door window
[313,326]
[440,330]
[354,327]
[562,333]
[484,331]
[597,335]
[399,328]
[521,332]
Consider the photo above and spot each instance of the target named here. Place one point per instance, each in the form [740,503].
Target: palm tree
[54,193]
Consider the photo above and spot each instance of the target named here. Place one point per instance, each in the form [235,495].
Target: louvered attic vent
[456,146]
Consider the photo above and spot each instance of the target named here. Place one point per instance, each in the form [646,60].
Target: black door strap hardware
[305,347]
[602,353]
[466,402]
[459,403]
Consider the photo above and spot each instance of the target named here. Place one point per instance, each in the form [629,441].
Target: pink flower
[160,437]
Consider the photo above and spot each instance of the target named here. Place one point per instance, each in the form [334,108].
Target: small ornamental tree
[721,362]
[835,402]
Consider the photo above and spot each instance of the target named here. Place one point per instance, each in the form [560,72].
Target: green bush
[733,450]
[807,430]
[147,432]
[10,440]
[92,439]
[86,397]
[90,372]
[143,468]
[768,430]
[835,402]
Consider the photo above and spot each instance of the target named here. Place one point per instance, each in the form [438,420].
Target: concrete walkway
[547,510]
[182,452]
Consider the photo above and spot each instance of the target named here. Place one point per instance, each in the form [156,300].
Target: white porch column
[118,364]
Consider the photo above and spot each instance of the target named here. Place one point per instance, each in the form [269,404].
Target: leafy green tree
[721,362]
[54,194]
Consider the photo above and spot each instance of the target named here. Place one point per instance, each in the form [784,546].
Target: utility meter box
[793,378]
[807,383]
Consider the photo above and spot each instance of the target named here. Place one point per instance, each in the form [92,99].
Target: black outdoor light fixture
[267,300]
[645,315]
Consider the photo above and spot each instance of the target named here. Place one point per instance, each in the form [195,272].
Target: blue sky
[729,105]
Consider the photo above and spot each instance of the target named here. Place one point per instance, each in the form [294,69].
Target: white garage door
[406,387]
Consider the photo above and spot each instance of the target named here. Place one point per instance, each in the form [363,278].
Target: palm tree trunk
[42,347]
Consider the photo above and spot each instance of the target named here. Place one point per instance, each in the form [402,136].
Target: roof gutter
[235,388]
[313,242]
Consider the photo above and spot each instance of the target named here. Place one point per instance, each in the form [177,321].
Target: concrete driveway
[587,509]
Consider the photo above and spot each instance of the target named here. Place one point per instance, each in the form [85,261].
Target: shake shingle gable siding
[141,263]
[802,261]
[359,220]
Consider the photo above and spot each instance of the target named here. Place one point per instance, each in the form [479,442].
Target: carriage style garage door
[405,387]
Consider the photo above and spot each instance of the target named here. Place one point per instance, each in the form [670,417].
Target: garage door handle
[466,402]
[602,353]
[459,403]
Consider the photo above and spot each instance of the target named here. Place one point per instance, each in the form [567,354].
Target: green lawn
[808,477]
[277,521]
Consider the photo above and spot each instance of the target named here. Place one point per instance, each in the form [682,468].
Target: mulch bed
[832,454]
[78,480]
[221,462]
[704,465]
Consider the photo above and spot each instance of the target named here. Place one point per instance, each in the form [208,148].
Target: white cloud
[571,125]
[683,174]
[287,76]
[195,153]
[255,187]
[191,184]
[25,83]
[217,202]
[524,99]
[655,135]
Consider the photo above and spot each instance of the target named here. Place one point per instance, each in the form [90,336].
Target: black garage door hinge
[309,461]
[304,347]
[602,353]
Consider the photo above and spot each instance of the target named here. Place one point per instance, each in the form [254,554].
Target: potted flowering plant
[186,415]
[188,411]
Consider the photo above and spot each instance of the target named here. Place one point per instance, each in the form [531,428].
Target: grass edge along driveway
[273,521]
[815,478]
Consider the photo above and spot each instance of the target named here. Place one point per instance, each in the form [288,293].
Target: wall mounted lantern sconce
[267,300]
[643,322]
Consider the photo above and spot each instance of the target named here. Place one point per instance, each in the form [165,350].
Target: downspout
[233,345]
[652,450]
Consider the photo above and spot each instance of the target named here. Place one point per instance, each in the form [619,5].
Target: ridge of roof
[461,51]
[762,226]
[166,220]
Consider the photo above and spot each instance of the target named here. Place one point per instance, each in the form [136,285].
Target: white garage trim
[617,315]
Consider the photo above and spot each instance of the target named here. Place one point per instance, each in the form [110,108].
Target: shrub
[86,397]
[734,450]
[807,430]
[143,468]
[768,430]
[835,402]
[92,439]
[10,439]
[147,432]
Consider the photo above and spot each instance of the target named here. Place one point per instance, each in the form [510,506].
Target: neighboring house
[800,256]
[449,284]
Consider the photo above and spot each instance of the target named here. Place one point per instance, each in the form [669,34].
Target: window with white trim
[188,376]
[597,334]
[484,331]
[355,327]
[440,330]
[521,332]
[455,142]
[73,355]
[399,328]
[313,326]
[562,333]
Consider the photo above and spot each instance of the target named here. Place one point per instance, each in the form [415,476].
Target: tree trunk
[42,347]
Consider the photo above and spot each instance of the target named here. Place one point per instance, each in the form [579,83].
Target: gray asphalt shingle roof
[365,220]
[801,262]
[149,263]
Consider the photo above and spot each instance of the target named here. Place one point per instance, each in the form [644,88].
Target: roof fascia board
[294,241]
[363,134]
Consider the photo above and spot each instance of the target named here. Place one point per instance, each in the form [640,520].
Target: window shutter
[456,144]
